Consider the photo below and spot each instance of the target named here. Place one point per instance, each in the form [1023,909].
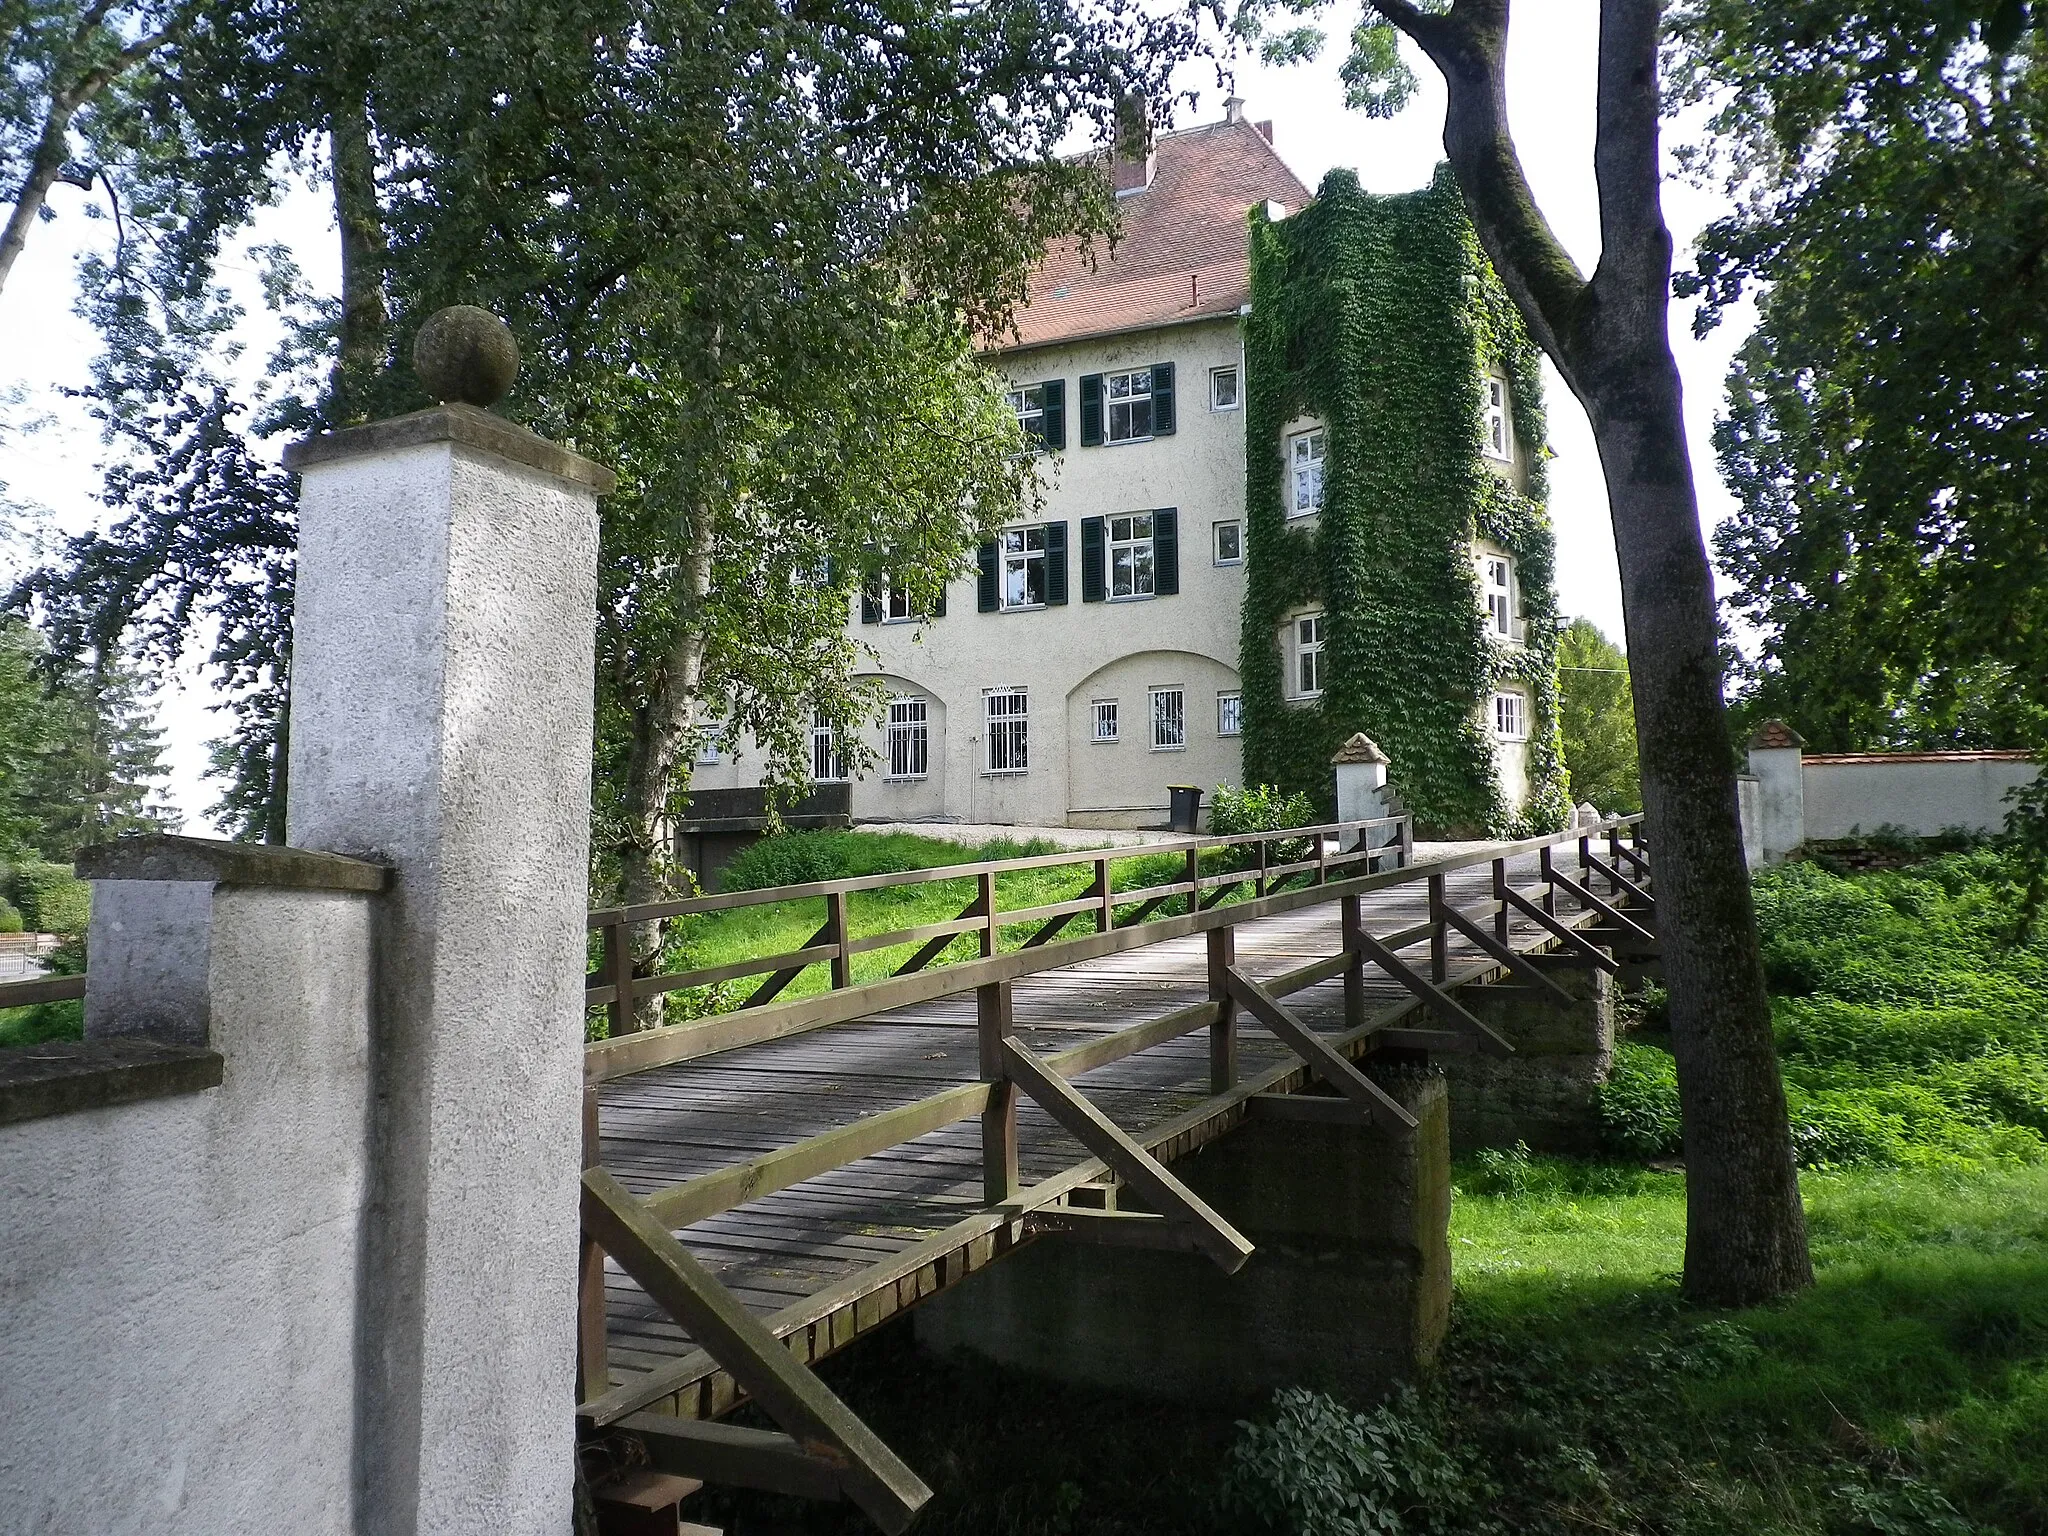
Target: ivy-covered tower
[1399,558]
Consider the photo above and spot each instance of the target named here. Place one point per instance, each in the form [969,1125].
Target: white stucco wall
[1923,794]
[178,1277]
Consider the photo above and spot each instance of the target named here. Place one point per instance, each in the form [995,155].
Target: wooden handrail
[41,989]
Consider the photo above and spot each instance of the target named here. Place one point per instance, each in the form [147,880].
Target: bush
[1260,809]
[803,858]
[1317,1469]
[10,917]
[1639,1103]
[50,897]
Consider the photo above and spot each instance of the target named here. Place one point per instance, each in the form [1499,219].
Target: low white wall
[178,1277]
[1924,794]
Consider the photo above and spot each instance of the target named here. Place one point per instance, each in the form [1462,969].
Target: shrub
[51,898]
[10,917]
[1260,809]
[802,858]
[1318,1469]
[1639,1103]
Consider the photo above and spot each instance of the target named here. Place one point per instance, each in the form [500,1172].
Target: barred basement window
[1023,552]
[1500,597]
[1308,656]
[1129,397]
[909,741]
[1230,543]
[1229,714]
[1499,445]
[828,763]
[1130,555]
[1305,454]
[1510,719]
[1008,715]
[1169,720]
[1105,721]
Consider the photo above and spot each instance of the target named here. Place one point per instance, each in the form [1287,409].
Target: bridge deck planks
[672,1123]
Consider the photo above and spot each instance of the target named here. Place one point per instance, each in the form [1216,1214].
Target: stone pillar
[1776,758]
[1349,1290]
[441,723]
[1548,1093]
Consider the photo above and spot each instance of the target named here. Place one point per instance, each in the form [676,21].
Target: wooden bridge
[765,1185]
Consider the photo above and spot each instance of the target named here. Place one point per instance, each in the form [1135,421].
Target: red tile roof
[1775,734]
[1183,253]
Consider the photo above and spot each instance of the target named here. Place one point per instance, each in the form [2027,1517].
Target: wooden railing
[766,1359]
[40,989]
[1264,863]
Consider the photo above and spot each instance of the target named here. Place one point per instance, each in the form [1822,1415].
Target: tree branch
[1635,245]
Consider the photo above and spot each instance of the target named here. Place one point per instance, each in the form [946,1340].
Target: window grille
[1105,720]
[1009,721]
[909,738]
[1229,714]
[828,762]
[1169,720]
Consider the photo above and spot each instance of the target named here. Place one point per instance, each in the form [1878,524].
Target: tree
[1596,714]
[1882,433]
[1608,335]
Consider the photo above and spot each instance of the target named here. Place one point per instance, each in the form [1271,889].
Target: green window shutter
[1162,399]
[1091,410]
[1055,564]
[1092,584]
[1166,551]
[985,592]
[871,604]
[1054,432]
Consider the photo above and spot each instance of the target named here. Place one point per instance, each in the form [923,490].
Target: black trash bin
[1185,806]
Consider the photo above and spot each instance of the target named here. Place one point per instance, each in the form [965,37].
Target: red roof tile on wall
[1183,254]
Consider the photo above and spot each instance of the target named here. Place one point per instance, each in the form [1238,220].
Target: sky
[45,348]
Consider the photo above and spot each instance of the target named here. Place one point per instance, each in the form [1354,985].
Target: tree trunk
[52,148]
[661,726]
[1609,336]
[364,315]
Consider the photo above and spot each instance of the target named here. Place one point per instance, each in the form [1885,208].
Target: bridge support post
[1348,1291]
[441,719]
[1547,1094]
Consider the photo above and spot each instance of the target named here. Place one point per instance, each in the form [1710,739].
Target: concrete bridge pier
[1547,1094]
[1349,1291]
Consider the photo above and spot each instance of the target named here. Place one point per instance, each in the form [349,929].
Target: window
[707,752]
[1223,389]
[1230,543]
[909,740]
[1499,582]
[1129,396]
[1008,713]
[1023,556]
[1169,720]
[1510,718]
[1029,404]
[1229,714]
[1104,728]
[828,763]
[896,607]
[1308,655]
[1130,555]
[1498,444]
[1305,451]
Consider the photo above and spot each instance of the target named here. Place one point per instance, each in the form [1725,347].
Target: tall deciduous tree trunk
[661,728]
[365,318]
[1609,336]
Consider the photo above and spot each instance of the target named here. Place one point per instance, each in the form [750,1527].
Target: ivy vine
[1380,317]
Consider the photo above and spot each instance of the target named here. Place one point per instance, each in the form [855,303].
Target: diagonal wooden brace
[1140,1169]
[1439,1001]
[932,948]
[1555,995]
[1629,887]
[766,992]
[788,1392]
[737,1457]
[1580,891]
[1633,857]
[1570,937]
[1312,1048]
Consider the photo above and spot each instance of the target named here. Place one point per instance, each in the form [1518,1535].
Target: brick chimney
[1131,156]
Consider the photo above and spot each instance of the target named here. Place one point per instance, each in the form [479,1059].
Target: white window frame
[1103,713]
[1169,716]
[1510,715]
[707,752]
[1497,581]
[1229,712]
[1006,729]
[1027,404]
[828,755]
[906,740]
[1307,461]
[1499,441]
[1018,549]
[1235,526]
[1311,636]
[1135,404]
[895,604]
[1125,584]
[1216,377]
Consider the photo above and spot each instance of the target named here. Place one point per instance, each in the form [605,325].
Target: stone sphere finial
[467,355]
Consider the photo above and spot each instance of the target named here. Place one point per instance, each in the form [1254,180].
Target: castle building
[1265,526]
